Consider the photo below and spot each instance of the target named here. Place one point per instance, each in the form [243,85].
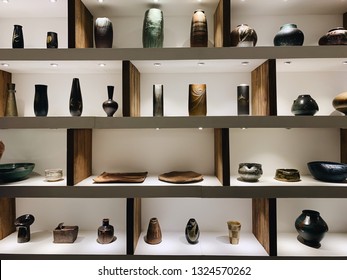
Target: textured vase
[335,36]
[153,29]
[250,172]
[154,235]
[243,36]
[103,33]
[52,40]
[311,228]
[158,100]
[197,100]
[304,105]
[23,224]
[76,104]
[11,103]
[234,228]
[289,35]
[199,31]
[18,38]
[41,101]
[110,106]
[340,102]
[106,232]
[192,231]
[243,99]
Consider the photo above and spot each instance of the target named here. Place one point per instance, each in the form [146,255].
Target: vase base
[307,243]
[113,239]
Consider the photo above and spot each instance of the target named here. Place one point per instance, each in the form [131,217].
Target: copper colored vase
[154,235]
[197,100]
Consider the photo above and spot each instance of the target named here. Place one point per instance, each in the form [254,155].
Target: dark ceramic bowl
[250,172]
[328,171]
[24,220]
[11,172]
[287,175]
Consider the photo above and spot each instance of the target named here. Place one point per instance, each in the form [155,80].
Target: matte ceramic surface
[11,103]
[289,35]
[250,172]
[11,172]
[304,105]
[103,33]
[154,235]
[52,40]
[243,36]
[41,101]
[335,36]
[287,175]
[328,171]
[153,29]
[23,223]
[106,232]
[65,234]
[199,30]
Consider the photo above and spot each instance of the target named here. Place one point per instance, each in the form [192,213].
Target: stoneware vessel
[76,104]
[287,175]
[158,100]
[198,30]
[340,102]
[243,99]
[110,106]
[41,101]
[11,103]
[335,36]
[192,231]
[52,40]
[328,171]
[250,172]
[304,105]
[103,33]
[154,235]
[106,232]
[289,35]
[153,29]
[23,223]
[65,234]
[243,36]
[234,228]
[197,100]
[311,228]
[17,37]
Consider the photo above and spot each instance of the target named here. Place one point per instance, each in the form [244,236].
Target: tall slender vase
[197,100]
[198,31]
[41,101]
[158,100]
[106,232]
[11,104]
[153,29]
[18,38]
[110,106]
[243,99]
[103,32]
[76,104]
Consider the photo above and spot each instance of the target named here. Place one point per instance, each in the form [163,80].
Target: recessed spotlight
[100,1]
[200,128]
[201,63]
[5,64]
[157,64]
[245,63]
[54,65]
[155,1]
[287,62]
[53,1]
[5,1]
[344,62]
[102,64]
[157,128]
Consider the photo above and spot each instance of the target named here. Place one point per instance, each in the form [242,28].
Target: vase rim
[337,28]
[199,10]
[289,24]
[308,211]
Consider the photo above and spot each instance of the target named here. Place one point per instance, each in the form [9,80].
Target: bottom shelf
[333,244]
[210,243]
[41,242]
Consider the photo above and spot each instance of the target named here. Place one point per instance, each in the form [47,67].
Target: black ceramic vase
[153,29]
[158,100]
[304,105]
[243,99]
[41,101]
[17,38]
[103,33]
[23,223]
[198,30]
[289,35]
[335,36]
[52,40]
[243,36]
[76,104]
[192,231]
[311,228]
[110,106]
[154,235]
[106,232]
[197,100]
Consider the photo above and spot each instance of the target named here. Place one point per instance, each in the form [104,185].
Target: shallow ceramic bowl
[53,175]
[11,172]
[287,175]
[328,171]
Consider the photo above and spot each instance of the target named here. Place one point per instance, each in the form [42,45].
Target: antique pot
[340,102]
[192,231]
[250,172]
[243,36]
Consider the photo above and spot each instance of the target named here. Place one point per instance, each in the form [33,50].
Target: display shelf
[210,243]
[41,242]
[34,179]
[333,244]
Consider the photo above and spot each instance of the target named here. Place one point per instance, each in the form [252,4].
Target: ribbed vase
[199,31]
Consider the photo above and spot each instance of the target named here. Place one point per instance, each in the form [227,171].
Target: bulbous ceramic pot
[192,231]
[311,228]
[340,102]
[289,35]
[106,232]
[110,106]
[243,36]
[335,36]
[250,172]
[304,105]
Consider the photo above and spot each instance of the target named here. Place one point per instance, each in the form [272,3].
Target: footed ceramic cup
[234,232]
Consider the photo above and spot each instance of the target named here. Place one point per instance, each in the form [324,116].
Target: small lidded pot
[250,172]
[53,175]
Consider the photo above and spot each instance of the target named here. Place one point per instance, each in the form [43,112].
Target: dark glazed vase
[153,29]
[11,104]
[197,100]
[154,235]
[192,231]
[23,223]
[18,38]
[198,30]
[52,40]
[243,99]
[158,100]
[289,35]
[110,106]
[335,36]
[76,104]
[103,32]
[41,101]
[340,102]
[304,105]
[311,228]
[106,232]
[243,36]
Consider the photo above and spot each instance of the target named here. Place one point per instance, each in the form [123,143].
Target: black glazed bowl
[24,220]
[328,171]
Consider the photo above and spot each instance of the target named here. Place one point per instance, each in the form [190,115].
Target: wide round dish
[11,172]
[328,171]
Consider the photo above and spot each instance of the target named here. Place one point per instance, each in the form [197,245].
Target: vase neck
[289,25]
[106,222]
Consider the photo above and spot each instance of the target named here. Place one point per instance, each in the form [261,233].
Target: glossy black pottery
[41,101]
[17,37]
[110,106]
[106,232]
[76,104]
[289,35]
[304,105]
[23,223]
[52,40]
[192,231]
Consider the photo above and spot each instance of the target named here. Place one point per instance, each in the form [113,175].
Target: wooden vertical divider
[131,90]
[80,25]
[221,155]
[222,24]
[345,20]
[5,78]
[79,155]
[133,223]
[343,145]
[7,216]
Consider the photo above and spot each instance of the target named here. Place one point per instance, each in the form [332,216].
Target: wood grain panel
[343,145]
[221,155]
[133,224]
[264,100]
[345,20]
[7,216]
[5,78]
[80,25]
[264,225]
[222,24]
[79,155]
[131,90]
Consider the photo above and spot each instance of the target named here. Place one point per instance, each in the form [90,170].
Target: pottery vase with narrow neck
[106,232]
[154,235]
[153,29]
[110,106]
[41,101]
[103,33]
[192,231]
[198,30]
[289,35]
[17,37]
[197,100]
[11,103]
[76,104]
